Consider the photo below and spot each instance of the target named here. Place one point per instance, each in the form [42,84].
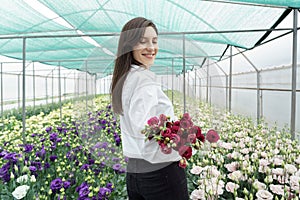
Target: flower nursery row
[80,156]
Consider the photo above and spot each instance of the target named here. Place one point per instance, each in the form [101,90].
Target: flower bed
[81,157]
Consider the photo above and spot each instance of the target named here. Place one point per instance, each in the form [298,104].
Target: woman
[136,97]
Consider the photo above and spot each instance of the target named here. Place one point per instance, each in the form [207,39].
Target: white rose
[264,195]
[20,192]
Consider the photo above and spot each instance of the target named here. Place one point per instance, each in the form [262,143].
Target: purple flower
[32,169]
[28,148]
[53,137]
[67,184]
[48,129]
[56,184]
[83,192]
[41,153]
[117,167]
[53,158]
[104,192]
[85,167]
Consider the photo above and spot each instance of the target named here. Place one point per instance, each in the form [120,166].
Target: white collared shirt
[143,98]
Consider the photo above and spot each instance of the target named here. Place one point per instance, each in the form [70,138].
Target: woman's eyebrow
[148,37]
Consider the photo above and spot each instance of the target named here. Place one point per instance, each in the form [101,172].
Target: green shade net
[192,30]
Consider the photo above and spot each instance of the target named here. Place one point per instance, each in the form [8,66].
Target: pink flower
[185,124]
[162,118]
[212,136]
[176,139]
[264,195]
[166,133]
[191,138]
[153,121]
[186,116]
[165,149]
[196,170]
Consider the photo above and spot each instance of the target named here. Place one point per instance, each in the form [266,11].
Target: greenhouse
[230,66]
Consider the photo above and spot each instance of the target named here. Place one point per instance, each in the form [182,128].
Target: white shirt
[143,98]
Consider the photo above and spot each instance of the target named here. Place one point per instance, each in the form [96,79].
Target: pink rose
[153,121]
[162,118]
[212,136]
[186,116]
[166,133]
[176,139]
[191,138]
[165,149]
[185,124]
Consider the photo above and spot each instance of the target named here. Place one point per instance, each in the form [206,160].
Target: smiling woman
[136,96]
[146,50]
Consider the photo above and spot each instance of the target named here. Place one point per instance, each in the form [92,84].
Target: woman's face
[146,49]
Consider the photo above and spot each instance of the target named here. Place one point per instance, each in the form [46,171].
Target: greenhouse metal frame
[184,58]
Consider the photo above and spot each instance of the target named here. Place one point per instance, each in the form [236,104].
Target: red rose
[166,133]
[199,135]
[175,129]
[212,136]
[153,121]
[185,152]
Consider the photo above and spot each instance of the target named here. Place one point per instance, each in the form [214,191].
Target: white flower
[32,179]
[259,185]
[291,169]
[264,195]
[197,194]
[196,170]
[22,179]
[277,189]
[231,187]
[20,192]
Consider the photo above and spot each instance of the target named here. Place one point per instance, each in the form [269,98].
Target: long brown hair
[130,35]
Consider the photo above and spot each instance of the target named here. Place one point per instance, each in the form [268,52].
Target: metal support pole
[195,82]
[86,87]
[46,85]
[65,88]
[52,87]
[19,92]
[230,79]
[1,93]
[33,82]
[24,94]
[226,88]
[259,94]
[172,81]
[294,75]
[210,89]
[207,80]
[59,93]
[183,62]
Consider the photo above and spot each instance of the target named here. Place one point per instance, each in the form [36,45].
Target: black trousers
[168,183]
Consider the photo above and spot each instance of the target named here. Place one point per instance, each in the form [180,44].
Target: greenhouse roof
[83,34]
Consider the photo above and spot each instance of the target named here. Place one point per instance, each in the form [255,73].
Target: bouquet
[181,135]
